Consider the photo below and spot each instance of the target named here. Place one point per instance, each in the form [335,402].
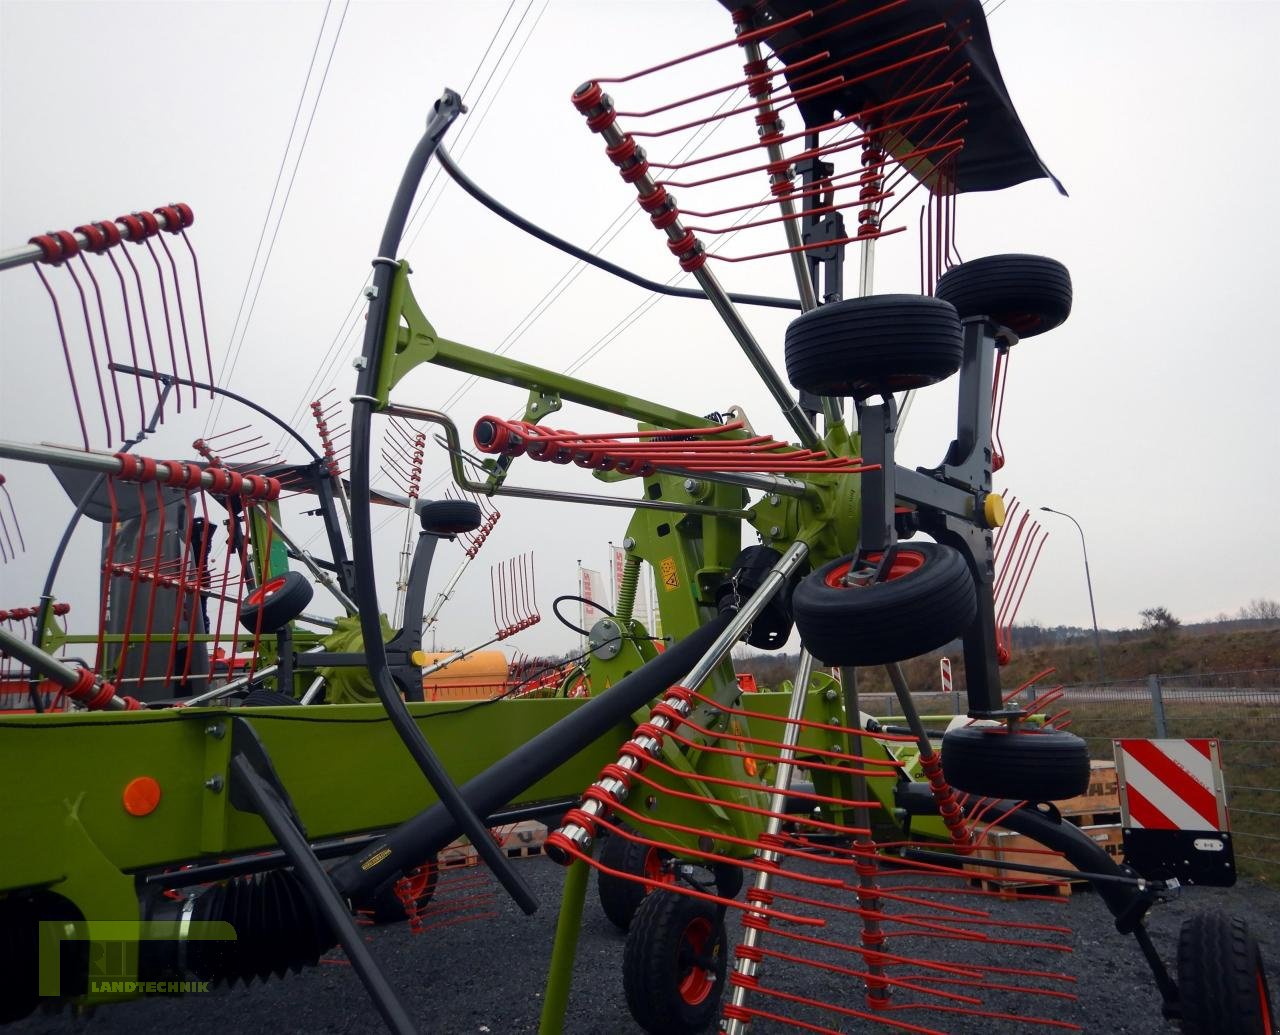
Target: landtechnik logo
[113,950]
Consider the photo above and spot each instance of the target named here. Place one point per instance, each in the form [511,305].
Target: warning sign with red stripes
[1171,785]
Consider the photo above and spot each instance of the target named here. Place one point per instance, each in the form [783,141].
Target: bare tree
[1261,609]
[1159,620]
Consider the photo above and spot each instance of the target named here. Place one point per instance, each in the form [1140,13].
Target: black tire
[1222,986]
[875,344]
[927,601]
[279,601]
[262,697]
[1029,294]
[449,517]
[386,907]
[1030,765]
[729,880]
[673,966]
[620,898]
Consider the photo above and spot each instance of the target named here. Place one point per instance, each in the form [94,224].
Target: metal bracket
[540,404]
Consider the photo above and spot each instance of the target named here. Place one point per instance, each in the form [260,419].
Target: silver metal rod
[28,253]
[104,463]
[242,681]
[231,687]
[457,655]
[325,623]
[805,432]
[340,491]
[313,690]
[697,675]
[909,711]
[49,666]
[748,613]
[790,225]
[445,594]
[799,266]
[762,482]
[773,825]
[613,136]
[485,489]
[39,661]
[317,572]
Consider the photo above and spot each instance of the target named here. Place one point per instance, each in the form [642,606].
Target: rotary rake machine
[232,853]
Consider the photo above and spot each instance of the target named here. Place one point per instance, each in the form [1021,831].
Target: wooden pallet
[1102,797]
[523,840]
[1007,846]
[1012,889]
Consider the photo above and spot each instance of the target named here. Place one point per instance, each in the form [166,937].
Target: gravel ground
[481,968]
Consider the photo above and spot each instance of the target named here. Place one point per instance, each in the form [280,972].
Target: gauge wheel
[926,599]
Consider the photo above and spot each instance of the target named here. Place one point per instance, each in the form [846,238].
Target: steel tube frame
[741,622]
[777,805]
[26,254]
[500,489]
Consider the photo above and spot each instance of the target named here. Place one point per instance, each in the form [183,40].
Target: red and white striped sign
[945,667]
[1171,785]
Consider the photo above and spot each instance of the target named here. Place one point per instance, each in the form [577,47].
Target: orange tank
[474,678]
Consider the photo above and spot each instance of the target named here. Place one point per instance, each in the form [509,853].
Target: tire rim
[267,589]
[696,982]
[417,882]
[904,562]
[655,868]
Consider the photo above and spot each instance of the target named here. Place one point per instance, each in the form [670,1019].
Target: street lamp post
[1097,639]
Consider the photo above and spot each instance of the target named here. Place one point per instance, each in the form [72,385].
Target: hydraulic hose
[445,111]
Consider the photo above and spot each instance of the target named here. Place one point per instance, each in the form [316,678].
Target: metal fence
[1240,709]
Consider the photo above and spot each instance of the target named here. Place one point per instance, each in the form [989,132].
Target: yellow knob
[993,510]
[419,658]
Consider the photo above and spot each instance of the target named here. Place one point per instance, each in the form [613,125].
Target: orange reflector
[141,796]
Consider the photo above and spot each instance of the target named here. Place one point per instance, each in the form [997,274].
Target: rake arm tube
[425,834]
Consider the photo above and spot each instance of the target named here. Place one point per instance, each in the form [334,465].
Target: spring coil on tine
[579,827]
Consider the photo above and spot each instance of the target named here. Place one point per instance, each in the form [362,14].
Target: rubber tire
[729,880]
[620,898]
[269,698]
[887,621]
[1029,294]
[386,907]
[1222,985]
[279,606]
[450,517]
[874,345]
[653,968]
[1029,765]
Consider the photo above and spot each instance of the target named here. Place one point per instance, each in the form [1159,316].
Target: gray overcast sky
[1149,416]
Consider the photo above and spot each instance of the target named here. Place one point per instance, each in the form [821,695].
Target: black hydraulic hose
[422,836]
[445,110]
[547,237]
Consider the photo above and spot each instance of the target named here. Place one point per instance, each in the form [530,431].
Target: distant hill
[1229,646]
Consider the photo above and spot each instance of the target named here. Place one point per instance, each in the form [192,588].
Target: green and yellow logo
[113,952]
